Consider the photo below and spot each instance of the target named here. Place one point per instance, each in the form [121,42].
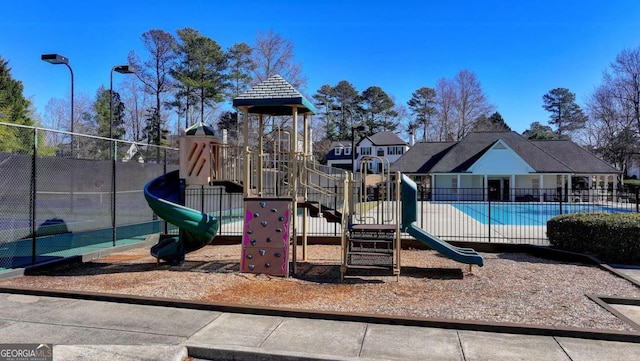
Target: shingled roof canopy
[274,96]
[545,156]
[470,148]
[421,157]
[575,157]
[386,138]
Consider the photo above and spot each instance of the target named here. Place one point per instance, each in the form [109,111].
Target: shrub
[632,184]
[612,237]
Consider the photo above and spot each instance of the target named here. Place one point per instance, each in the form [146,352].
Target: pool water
[527,214]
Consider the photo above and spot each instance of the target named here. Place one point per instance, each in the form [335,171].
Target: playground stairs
[229,186]
[320,210]
[371,246]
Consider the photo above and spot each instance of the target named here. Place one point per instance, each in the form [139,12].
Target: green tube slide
[409,217]
[197,229]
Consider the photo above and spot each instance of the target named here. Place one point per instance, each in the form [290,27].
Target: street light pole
[59,59]
[359,129]
[122,69]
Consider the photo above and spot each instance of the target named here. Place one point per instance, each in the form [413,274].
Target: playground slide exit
[198,229]
[409,217]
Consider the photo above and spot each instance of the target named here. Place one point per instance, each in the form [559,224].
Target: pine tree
[423,105]
[14,108]
[566,115]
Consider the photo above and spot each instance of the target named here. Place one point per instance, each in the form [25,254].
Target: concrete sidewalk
[82,329]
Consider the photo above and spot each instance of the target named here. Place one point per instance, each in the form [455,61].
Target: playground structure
[282,188]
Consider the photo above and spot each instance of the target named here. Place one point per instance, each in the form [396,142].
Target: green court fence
[57,201]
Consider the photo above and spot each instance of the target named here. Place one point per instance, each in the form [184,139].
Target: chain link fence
[64,194]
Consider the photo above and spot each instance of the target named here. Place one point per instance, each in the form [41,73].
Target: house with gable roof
[339,155]
[382,144]
[505,166]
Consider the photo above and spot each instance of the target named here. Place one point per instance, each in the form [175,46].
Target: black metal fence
[458,215]
[228,208]
[322,183]
[461,217]
[57,202]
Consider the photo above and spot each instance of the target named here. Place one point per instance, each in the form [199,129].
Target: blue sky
[519,50]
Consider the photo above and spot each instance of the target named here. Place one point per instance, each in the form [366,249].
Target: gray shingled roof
[468,150]
[274,96]
[386,138]
[341,143]
[543,156]
[575,157]
[413,161]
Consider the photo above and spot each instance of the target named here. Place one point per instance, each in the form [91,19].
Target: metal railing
[522,220]
[231,166]
[458,214]
[378,188]
[323,184]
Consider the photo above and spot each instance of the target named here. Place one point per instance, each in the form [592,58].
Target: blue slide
[409,217]
[197,229]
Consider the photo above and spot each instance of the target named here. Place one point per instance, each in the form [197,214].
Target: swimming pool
[526,214]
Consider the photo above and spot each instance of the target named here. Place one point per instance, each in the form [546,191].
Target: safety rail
[346,218]
[323,187]
[231,167]
[274,180]
[373,187]
[373,245]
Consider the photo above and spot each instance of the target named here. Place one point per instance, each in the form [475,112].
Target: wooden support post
[293,186]
[303,174]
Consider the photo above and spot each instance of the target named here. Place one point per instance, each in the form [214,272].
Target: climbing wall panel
[265,241]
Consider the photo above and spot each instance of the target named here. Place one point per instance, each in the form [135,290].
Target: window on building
[347,151]
[454,183]
[391,150]
[339,151]
[380,152]
[400,150]
[365,150]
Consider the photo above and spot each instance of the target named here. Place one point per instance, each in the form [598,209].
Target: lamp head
[55,59]
[124,69]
